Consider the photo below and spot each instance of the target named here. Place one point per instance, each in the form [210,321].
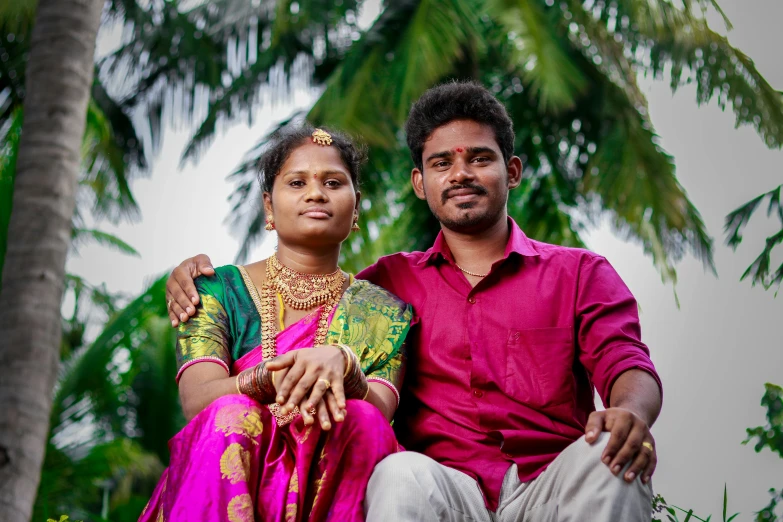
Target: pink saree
[233,463]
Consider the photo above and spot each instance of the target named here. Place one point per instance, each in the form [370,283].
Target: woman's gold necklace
[280,279]
[303,291]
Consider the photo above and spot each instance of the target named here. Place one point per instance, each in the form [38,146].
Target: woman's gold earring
[270,224]
[355,226]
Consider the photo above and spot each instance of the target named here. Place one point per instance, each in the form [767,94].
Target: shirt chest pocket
[539,366]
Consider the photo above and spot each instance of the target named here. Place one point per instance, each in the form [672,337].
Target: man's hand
[181,294]
[630,441]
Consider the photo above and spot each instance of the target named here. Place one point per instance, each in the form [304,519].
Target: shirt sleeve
[205,336]
[608,329]
[373,274]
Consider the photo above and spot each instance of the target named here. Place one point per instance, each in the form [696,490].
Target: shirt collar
[518,243]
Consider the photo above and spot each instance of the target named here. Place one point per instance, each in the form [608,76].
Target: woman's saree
[234,462]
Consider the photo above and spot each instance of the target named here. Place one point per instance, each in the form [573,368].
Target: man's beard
[468,221]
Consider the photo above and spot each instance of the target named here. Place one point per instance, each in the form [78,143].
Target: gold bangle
[348,355]
[237,383]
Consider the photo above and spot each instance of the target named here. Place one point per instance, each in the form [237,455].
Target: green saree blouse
[227,325]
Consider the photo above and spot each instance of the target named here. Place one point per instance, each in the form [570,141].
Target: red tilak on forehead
[459,149]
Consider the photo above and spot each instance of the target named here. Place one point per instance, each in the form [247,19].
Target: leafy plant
[672,512]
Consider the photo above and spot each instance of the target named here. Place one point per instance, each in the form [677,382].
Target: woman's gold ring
[326,383]
[168,303]
[648,446]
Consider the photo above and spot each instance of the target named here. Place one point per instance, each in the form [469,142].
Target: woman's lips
[317,213]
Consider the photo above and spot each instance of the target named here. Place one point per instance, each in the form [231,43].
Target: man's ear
[514,169]
[417,180]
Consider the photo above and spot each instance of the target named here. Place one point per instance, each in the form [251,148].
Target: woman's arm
[202,383]
[382,398]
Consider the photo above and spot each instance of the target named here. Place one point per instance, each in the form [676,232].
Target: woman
[278,344]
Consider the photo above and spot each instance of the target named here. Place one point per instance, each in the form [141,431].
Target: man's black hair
[457,101]
[281,147]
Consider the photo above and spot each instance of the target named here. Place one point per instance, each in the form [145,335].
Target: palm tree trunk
[58,80]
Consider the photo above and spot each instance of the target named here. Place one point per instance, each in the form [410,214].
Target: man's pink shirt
[504,372]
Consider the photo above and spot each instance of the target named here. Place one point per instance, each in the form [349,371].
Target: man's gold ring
[648,446]
[326,383]
[168,303]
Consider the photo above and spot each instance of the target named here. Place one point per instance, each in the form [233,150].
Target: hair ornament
[322,138]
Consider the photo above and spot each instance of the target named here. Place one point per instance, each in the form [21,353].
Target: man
[513,335]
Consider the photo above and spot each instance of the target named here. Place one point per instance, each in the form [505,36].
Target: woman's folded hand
[314,379]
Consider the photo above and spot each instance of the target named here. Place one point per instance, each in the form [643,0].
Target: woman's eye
[297,183]
[332,183]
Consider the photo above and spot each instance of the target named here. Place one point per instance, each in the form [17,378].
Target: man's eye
[441,164]
[481,159]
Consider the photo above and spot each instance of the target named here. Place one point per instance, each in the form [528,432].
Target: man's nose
[461,173]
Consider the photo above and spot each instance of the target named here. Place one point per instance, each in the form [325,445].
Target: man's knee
[598,474]
[395,486]
[587,454]
[587,457]
[401,469]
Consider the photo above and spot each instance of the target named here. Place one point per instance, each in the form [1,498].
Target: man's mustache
[478,189]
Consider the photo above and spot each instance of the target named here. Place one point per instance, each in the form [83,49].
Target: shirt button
[472,300]
[478,393]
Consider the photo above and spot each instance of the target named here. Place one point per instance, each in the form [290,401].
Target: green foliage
[63,518]
[567,74]
[10,133]
[768,514]
[115,408]
[112,153]
[771,435]
[671,512]
[760,271]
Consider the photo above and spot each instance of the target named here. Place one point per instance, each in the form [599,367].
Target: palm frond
[538,54]
[17,17]
[538,209]
[115,408]
[723,72]
[209,62]
[80,236]
[761,270]
[413,55]
[588,145]
[112,155]
[94,381]
[635,180]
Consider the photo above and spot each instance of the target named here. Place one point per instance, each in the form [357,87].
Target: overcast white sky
[714,353]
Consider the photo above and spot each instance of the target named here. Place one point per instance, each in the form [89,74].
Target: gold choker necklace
[303,291]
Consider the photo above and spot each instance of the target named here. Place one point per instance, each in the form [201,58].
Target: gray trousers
[577,486]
